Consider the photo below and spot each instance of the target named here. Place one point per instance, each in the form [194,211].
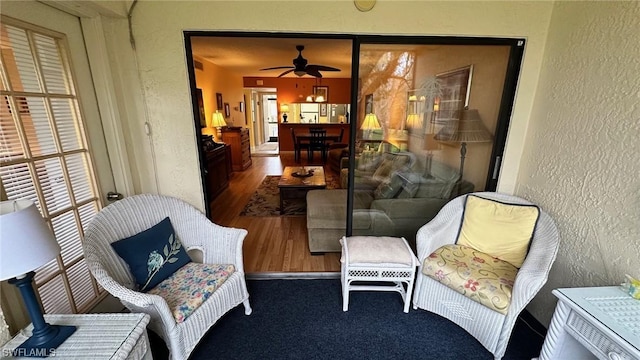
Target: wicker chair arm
[535,270]
[221,245]
[133,300]
[440,231]
[158,310]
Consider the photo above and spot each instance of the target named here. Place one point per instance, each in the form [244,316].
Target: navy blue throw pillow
[152,255]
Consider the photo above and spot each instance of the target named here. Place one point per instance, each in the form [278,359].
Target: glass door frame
[504,114]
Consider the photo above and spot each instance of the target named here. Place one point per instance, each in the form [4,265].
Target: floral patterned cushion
[477,275]
[190,286]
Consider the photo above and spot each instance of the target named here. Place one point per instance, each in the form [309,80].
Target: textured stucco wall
[158,27]
[581,160]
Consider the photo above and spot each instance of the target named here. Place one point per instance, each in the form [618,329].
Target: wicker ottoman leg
[345,297]
[345,286]
[407,300]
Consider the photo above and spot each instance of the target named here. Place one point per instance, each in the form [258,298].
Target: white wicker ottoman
[377,259]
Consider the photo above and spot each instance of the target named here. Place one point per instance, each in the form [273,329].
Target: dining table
[327,140]
[328,137]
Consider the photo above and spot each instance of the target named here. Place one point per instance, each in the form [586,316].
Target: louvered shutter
[45,157]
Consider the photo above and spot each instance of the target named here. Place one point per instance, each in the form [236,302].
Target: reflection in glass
[409,167]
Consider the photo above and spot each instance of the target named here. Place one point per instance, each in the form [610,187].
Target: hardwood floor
[273,244]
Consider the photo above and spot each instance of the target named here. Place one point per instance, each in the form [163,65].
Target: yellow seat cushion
[479,276]
[190,286]
[500,229]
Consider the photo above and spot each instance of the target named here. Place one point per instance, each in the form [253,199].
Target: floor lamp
[27,243]
[430,144]
[470,129]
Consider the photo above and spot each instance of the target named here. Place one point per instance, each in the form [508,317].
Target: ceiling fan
[301,68]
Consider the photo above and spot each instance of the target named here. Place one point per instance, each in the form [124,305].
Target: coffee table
[294,185]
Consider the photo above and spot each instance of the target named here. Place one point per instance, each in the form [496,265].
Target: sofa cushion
[376,250]
[368,160]
[389,188]
[434,188]
[192,285]
[479,276]
[443,179]
[391,162]
[501,229]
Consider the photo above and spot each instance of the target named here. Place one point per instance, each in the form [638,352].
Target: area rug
[303,319]
[266,200]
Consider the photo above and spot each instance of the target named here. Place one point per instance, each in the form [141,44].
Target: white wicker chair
[219,245]
[488,326]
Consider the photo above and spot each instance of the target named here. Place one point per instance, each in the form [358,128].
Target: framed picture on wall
[321,91]
[219,101]
[323,109]
[202,118]
[227,110]
[241,106]
[455,86]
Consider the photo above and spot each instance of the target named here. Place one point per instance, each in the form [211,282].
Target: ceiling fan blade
[314,72]
[323,68]
[278,67]
[285,73]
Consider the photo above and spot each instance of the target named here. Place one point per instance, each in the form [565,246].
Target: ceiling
[247,55]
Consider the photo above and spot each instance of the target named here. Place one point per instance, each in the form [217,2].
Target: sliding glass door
[427,118]
[430,125]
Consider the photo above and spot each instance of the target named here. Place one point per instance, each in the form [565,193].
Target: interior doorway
[269,119]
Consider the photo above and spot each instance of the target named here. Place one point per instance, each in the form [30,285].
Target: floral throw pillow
[152,255]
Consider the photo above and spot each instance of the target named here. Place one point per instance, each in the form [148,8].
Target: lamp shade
[26,242]
[469,129]
[284,108]
[217,120]
[370,122]
[414,121]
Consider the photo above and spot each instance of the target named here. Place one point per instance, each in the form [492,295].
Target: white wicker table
[367,259]
[593,323]
[98,336]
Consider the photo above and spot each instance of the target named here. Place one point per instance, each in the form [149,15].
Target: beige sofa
[394,206]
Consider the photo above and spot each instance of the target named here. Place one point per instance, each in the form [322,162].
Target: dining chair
[298,146]
[340,136]
[317,142]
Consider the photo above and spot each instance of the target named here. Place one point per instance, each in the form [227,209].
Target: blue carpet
[303,319]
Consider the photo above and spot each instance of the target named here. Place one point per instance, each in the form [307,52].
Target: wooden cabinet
[238,139]
[217,171]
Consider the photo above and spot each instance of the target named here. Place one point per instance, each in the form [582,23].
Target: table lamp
[284,109]
[369,124]
[470,129]
[217,120]
[27,243]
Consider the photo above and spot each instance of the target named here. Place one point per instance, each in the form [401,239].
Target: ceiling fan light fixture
[301,66]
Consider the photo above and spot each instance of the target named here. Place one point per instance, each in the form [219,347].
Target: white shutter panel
[44,157]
